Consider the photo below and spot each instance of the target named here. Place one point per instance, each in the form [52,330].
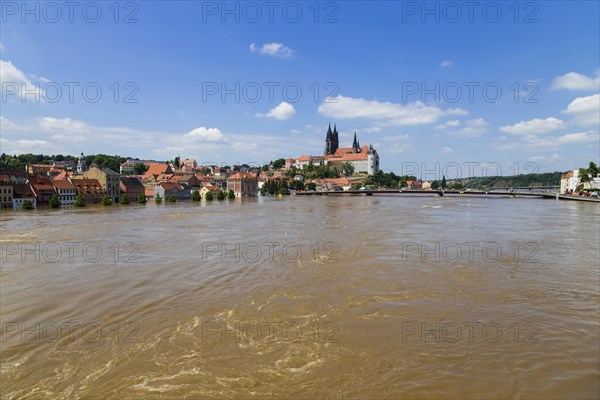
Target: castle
[364,159]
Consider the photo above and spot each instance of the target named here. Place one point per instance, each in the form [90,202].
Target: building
[166,190]
[6,193]
[565,181]
[127,168]
[426,185]
[81,165]
[22,192]
[42,188]
[91,189]
[132,187]
[66,191]
[209,188]
[303,161]
[332,141]
[243,184]
[109,180]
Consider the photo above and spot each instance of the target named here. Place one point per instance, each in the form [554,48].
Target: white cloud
[272,49]
[575,81]
[473,128]
[533,126]
[446,150]
[282,111]
[14,79]
[586,110]
[534,142]
[446,63]
[416,113]
[203,134]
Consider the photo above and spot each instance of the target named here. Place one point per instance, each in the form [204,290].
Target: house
[22,192]
[208,188]
[303,161]
[131,187]
[155,169]
[91,189]
[564,181]
[6,193]
[66,191]
[42,189]
[243,184]
[166,190]
[289,163]
[127,168]
[426,185]
[109,180]
[414,185]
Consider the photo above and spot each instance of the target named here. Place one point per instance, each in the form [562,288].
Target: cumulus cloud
[585,110]
[416,113]
[534,142]
[203,134]
[282,111]
[13,80]
[446,150]
[446,63]
[575,81]
[272,49]
[534,126]
[473,128]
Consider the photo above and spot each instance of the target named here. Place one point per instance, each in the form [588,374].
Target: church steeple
[331,140]
[355,145]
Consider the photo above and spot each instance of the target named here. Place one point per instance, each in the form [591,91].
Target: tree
[435,185]
[142,198]
[443,185]
[140,168]
[54,201]
[124,199]
[311,186]
[277,164]
[583,177]
[196,195]
[27,205]
[457,186]
[158,199]
[592,169]
[220,195]
[231,194]
[297,185]
[106,200]
[79,201]
[172,198]
[347,168]
[208,196]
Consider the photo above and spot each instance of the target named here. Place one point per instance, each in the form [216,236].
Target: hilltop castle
[364,159]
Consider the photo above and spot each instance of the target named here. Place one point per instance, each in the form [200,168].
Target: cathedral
[363,159]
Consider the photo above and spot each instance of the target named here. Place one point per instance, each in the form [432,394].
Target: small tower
[81,165]
[335,140]
[355,145]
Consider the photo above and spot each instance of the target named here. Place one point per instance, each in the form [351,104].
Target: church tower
[81,165]
[331,140]
[355,145]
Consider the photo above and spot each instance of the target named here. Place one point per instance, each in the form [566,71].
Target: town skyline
[412,87]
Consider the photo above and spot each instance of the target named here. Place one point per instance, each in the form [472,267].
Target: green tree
[140,168]
[172,198]
[124,199]
[196,195]
[106,200]
[27,205]
[54,201]
[208,196]
[435,185]
[158,199]
[592,169]
[220,195]
[277,164]
[231,194]
[443,185]
[347,168]
[583,177]
[79,201]
[142,198]
[311,186]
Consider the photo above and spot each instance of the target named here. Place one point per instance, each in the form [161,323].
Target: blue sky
[419,82]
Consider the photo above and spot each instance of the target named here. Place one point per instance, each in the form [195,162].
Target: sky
[459,88]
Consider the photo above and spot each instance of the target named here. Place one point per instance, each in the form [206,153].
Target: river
[303,297]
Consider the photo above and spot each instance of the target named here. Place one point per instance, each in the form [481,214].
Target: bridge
[454,193]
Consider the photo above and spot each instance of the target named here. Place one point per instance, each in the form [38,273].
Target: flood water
[303,297]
